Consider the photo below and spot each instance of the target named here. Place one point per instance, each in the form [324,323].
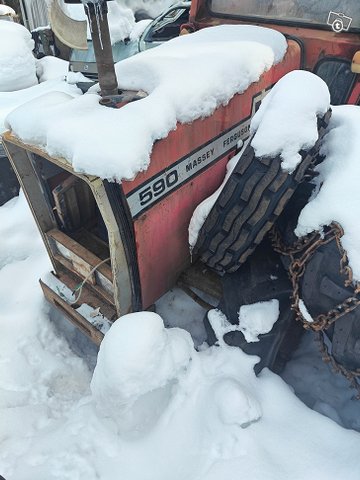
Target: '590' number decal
[158,187]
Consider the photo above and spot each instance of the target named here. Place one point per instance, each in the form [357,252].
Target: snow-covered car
[84,61]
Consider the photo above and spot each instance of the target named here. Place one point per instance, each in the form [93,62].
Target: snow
[75,77]
[9,101]
[17,63]
[254,319]
[233,56]
[304,311]
[286,121]
[209,416]
[121,19]
[138,366]
[258,318]
[338,198]
[138,29]
[202,211]
[6,10]
[51,68]
[121,22]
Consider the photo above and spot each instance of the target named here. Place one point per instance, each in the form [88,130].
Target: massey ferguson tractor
[121,246]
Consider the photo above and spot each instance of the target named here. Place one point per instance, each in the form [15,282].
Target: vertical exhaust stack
[73,34]
[99,27]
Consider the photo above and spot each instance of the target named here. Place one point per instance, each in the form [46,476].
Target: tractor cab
[327,33]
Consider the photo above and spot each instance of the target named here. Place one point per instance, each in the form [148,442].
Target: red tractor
[127,244]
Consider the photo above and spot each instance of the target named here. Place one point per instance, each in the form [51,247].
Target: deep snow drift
[17,63]
[172,75]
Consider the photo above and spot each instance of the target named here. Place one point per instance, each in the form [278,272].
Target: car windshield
[331,13]
[121,50]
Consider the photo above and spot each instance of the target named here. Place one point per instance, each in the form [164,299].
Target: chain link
[351,375]
[299,254]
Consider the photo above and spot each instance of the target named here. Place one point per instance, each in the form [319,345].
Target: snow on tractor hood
[185,79]
[9,101]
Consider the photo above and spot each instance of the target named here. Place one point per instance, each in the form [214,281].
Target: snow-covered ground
[204,414]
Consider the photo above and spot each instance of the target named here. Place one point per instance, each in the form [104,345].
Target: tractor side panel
[186,167]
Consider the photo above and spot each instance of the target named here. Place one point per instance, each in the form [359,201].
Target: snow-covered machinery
[121,246]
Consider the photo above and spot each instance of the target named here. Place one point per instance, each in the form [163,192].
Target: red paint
[354,98]
[317,43]
[162,232]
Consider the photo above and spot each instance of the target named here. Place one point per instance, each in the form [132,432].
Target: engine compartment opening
[74,207]
[78,241]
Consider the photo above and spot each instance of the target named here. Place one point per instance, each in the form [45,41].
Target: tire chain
[299,254]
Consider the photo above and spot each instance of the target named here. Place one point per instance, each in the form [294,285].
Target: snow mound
[338,197]
[138,364]
[286,121]
[51,68]
[9,101]
[229,57]
[258,318]
[5,10]
[245,408]
[17,63]
[121,22]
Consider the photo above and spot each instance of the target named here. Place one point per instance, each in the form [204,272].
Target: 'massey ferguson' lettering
[238,135]
[164,182]
[197,161]
[184,169]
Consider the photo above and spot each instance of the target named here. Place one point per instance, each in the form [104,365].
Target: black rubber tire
[322,287]
[249,204]
[260,279]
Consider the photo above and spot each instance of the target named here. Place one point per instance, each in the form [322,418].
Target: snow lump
[17,63]
[138,365]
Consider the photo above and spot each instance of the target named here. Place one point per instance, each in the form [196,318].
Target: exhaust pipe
[100,34]
[73,33]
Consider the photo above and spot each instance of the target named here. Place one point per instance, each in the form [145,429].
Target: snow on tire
[249,204]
